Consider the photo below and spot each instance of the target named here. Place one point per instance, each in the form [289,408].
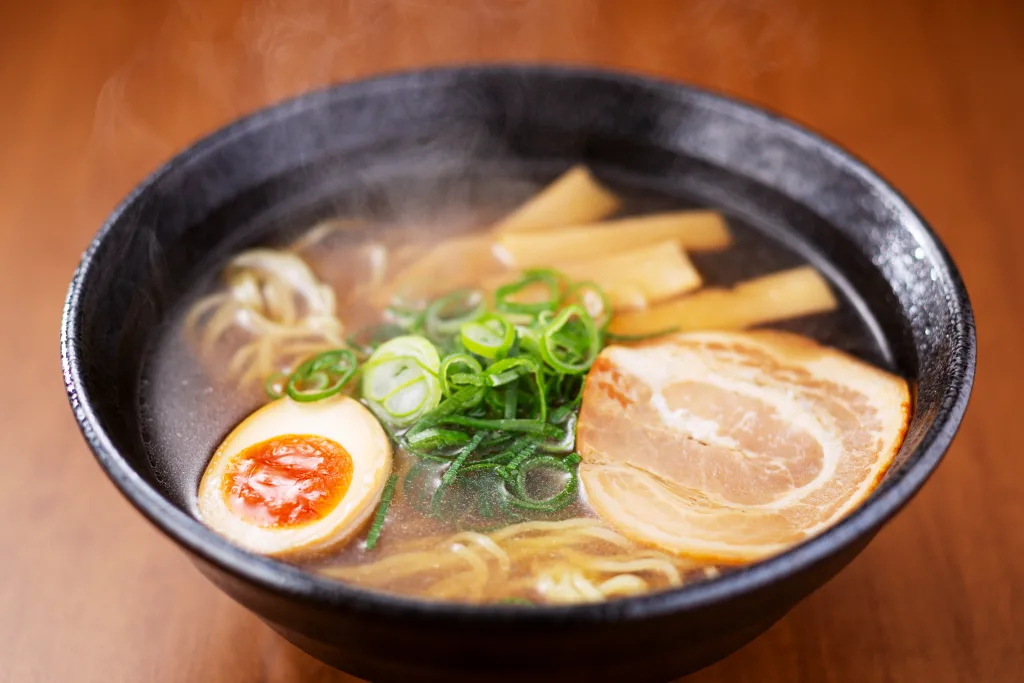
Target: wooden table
[930,92]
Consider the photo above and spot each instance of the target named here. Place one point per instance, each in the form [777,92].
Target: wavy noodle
[486,544]
[277,302]
[623,585]
[541,526]
[632,564]
[395,567]
[569,561]
[283,312]
[469,587]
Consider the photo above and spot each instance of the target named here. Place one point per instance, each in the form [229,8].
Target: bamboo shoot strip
[574,197]
[631,279]
[691,230]
[771,298]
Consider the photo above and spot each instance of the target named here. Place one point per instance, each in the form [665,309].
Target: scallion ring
[490,337]
[450,380]
[446,315]
[567,347]
[550,279]
[400,382]
[321,376]
[522,499]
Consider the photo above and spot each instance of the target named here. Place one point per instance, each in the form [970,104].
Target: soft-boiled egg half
[297,478]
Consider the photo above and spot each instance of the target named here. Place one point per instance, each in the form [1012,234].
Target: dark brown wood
[930,92]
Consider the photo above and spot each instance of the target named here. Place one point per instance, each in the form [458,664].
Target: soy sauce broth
[187,405]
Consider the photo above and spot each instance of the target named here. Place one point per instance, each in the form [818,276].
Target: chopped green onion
[570,349]
[552,280]
[400,382]
[524,451]
[460,459]
[490,337]
[435,439]
[456,395]
[460,400]
[517,366]
[567,442]
[382,512]
[321,376]
[497,439]
[503,378]
[535,427]
[509,370]
[562,412]
[542,394]
[511,399]
[446,316]
[560,499]
[453,361]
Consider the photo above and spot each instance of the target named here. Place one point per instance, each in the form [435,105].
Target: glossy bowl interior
[438,136]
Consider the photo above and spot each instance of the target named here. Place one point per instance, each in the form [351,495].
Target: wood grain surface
[95,94]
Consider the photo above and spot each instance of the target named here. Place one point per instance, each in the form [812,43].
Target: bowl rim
[297,584]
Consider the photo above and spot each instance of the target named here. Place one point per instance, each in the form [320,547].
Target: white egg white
[338,418]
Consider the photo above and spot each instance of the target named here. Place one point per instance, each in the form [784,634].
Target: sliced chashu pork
[734,446]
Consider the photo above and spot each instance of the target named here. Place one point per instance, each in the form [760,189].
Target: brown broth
[188,405]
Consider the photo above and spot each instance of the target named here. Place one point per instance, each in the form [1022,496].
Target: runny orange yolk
[287,480]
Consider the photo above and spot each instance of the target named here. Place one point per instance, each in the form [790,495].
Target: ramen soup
[567,405]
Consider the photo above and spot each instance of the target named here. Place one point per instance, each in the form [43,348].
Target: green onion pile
[484,394]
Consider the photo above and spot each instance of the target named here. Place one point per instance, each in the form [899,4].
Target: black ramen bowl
[345,149]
